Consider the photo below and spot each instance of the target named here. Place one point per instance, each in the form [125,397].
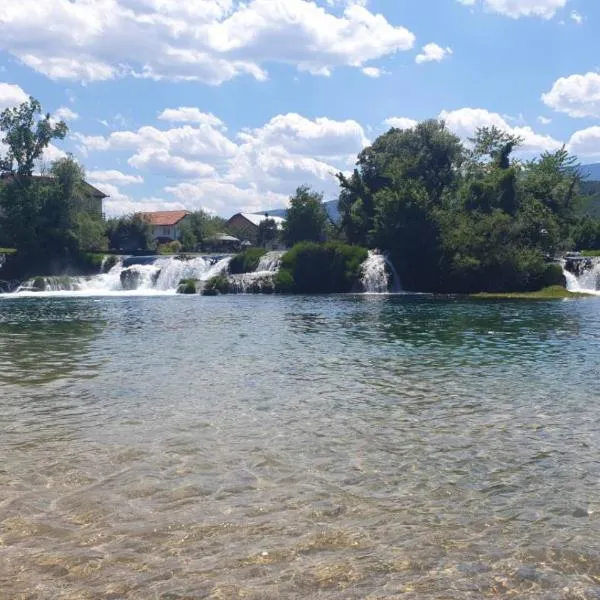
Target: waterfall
[582,274]
[262,280]
[147,275]
[379,275]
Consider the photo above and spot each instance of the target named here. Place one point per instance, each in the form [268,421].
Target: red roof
[165,217]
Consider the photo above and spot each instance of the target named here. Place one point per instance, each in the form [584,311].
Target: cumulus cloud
[11,95]
[576,95]
[465,121]
[255,169]
[373,72]
[64,113]
[401,122]
[115,177]
[432,53]
[189,114]
[212,41]
[586,143]
[515,9]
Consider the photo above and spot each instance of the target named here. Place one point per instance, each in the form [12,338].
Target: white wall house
[166,225]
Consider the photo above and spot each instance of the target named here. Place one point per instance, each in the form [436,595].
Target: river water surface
[275,448]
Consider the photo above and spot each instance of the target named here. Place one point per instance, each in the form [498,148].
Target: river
[340,447]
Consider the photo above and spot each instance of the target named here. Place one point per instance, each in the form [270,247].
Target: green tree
[306,217]
[428,154]
[128,233]
[197,227]
[27,136]
[267,233]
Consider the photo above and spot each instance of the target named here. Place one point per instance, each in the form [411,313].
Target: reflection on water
[337,447]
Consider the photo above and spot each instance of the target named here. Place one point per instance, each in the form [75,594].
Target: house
[90,202]
[245,225]
[166,224]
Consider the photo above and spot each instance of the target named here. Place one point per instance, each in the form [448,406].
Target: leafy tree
[428,154]
[197,227]
[131,232]
[306,218]
[267,233]
[27,136]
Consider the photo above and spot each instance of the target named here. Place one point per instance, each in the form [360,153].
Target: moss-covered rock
[247,261]
[215,286]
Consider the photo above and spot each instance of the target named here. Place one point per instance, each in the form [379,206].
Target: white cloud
[432,52]
[515,9]
[465,121]
[401,122]
[159,161]
[115,177]
[576,95]
[11,95]
[586,143]
[254,169]
[577,17]
[64,113]
[544,120]
[189,114]
[225,198]
[208,40]
[373,72]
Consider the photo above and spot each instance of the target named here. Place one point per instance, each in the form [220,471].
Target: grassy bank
[554,292]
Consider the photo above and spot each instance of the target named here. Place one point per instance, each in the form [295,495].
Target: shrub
[110,262]
[215,286]
[284,282]
[187,286]
[553,275]
[323,268]
[247,261]
[170,248]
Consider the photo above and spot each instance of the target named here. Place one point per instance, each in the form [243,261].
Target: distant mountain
[331,208]
[592,172]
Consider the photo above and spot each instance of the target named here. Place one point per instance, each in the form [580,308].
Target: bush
[110,262]
[215,286]
[553,275]
[247,261]
[187,286]
[323,268]
[283,282]
[170,248]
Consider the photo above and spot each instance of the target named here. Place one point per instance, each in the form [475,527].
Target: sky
[229,106]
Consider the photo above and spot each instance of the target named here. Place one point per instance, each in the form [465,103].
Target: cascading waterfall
[134,275]
[582,274]
[261,279]
[379,275]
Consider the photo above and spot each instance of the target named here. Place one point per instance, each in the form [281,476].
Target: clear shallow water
[266,447]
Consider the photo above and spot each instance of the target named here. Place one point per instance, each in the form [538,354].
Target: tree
[267,233]
[199,226]
[306,218]
[428,154]
[131,232]
[27,136]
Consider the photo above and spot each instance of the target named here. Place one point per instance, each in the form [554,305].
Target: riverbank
[555,292]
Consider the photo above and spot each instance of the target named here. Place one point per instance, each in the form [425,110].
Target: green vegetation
[129,233]
[555,292]
[216,285]
[310,268]
[590,253]
[247,261]
[459,218]
[7,251]
[173,247]
[198,227]
[268,234]
[306,218]
[187,286]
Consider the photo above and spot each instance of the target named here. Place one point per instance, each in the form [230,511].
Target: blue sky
[229,106]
